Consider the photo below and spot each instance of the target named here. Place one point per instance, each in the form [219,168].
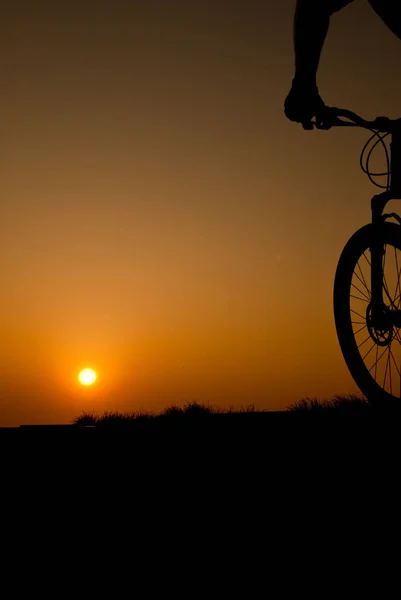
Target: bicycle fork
[381,315]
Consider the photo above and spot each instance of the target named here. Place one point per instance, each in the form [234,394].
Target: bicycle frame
[380,315]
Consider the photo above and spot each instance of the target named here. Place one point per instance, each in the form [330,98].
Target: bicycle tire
[356,247]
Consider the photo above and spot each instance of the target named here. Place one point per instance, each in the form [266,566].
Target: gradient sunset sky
[161,220]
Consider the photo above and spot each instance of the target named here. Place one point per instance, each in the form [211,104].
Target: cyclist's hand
[303,104]
[326,118]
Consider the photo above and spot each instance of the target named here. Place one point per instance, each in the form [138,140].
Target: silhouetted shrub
[172,411]
[194,409]
[86,420]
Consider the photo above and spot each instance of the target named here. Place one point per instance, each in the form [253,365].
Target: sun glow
[87,376]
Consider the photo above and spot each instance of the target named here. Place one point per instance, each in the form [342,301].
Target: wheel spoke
[370,350]
[398,276]
[395,363]
[367,299]
[360,299]
[362,280]
[357,313]
[360,329]
[397,300]
[367,260]
[385,372]
[362,276]
[387,292]
[378,360]
[364,341]
[389,371]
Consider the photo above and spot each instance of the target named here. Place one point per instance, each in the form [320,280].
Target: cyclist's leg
[390,12]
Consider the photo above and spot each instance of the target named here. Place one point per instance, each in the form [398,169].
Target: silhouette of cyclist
[311,23]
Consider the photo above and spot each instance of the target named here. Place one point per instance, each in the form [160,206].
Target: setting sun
[87,376]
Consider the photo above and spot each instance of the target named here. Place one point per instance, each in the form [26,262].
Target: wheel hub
[380,326]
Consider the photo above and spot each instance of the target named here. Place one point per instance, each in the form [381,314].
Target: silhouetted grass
[351,403]
[190,411]
[109,418]
[195,413]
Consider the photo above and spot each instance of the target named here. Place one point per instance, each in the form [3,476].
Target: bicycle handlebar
[332,118]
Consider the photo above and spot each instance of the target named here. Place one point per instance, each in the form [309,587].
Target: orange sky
[161,221]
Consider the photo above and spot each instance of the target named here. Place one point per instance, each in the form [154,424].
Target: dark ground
[258,439]
[228,497]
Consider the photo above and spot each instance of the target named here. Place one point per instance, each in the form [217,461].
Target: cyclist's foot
[303,103]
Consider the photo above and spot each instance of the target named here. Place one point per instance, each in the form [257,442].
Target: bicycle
[367,287]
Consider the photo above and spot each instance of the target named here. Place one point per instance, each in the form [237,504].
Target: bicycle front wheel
[372,352]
